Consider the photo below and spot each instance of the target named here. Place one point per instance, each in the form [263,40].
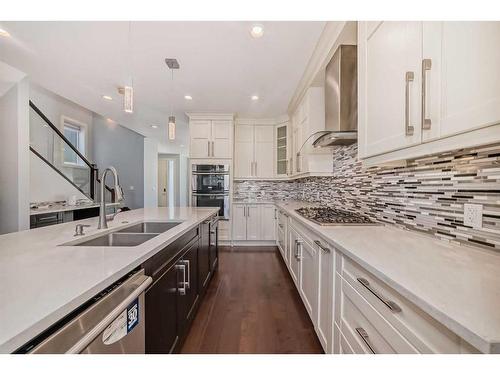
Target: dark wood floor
[251,306]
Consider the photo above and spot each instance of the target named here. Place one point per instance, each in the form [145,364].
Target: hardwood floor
[251,306]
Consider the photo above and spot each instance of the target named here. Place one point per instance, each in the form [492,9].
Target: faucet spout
[103,222]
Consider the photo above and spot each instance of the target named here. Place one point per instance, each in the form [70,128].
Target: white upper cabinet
[222,135]
[308,119]
[201,134]
[427,87]
[243,150]
[463,84]
[211,138]
[254,151]
[264,151]
[389,63]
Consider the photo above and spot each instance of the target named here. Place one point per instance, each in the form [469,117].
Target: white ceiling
[221,65]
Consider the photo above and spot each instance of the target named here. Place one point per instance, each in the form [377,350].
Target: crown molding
[209,116]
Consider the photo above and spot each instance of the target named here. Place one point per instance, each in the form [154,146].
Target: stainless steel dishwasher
[111,322]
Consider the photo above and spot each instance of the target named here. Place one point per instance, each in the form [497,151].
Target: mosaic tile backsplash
[426,195]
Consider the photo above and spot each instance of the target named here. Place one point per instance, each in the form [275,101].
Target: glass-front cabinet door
[281,150]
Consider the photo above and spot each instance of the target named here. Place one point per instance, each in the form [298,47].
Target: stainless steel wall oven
[210,187]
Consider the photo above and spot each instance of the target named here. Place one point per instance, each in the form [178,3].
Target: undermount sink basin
[133,235]
[119,239]
[150,227]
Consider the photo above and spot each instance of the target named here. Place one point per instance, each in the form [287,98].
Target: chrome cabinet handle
[208,152]
[390,304]
[187,283]
[182,289]
[426,65]
[248,211]
[320,245]
[297,252]
[255,169]
[409,76]
[213,149]
[366,339]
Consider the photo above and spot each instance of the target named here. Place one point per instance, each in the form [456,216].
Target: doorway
[168,180]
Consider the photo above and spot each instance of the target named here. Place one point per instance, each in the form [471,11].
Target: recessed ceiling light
[257,31]
[4,33]
[188,97]
[154,126]
[255,97]
[107,97]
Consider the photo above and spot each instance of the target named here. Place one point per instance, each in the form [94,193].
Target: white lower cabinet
[239,219]
[352,310]
[324,327]
[308,276]
[253,222]
[293,243]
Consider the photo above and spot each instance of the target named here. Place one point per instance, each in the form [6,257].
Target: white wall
[14,158]
[48,185]
[150,172]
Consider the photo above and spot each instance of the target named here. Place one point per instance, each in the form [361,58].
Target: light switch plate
[473,215]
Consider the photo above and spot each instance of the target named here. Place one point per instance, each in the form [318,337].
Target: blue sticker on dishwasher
[132,315]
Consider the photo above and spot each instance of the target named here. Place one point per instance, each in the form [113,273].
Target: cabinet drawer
[365,329]
[425,333]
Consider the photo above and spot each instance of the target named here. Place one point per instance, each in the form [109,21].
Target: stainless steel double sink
[133,235]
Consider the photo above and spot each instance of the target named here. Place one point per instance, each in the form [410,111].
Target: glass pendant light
[172,64]
[128,91]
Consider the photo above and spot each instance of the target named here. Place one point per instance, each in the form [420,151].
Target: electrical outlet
[473,215]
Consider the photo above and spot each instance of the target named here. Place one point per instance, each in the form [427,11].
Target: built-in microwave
[210,187]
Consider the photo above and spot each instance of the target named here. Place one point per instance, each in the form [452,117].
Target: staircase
[49,144]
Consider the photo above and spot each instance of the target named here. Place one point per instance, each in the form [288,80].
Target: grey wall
[122,148]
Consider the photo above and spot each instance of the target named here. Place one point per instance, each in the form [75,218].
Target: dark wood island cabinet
[181,272]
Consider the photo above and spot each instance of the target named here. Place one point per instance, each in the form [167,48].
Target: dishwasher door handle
[101,326]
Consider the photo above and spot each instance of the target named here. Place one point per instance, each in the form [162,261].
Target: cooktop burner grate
[333,216]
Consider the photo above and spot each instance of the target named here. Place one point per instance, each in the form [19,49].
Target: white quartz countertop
[61,208]
[458,286]
[42,281]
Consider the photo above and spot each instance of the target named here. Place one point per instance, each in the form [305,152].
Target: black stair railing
[93,171]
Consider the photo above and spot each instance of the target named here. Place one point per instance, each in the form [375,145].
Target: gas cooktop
[333,216]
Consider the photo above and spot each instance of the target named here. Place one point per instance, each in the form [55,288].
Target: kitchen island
[44,277]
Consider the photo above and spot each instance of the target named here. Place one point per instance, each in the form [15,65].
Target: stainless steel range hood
[341,99]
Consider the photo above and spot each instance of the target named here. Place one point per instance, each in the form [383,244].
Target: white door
[267,222]
[243,150]
[221,138]
[200,133]
[308,286]
[325,298]
[389,85]
[264,151]
[294,248]
[239,220]
[253,223]
[162,182]
[463,82]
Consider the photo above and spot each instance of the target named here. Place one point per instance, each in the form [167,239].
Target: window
[75,133]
